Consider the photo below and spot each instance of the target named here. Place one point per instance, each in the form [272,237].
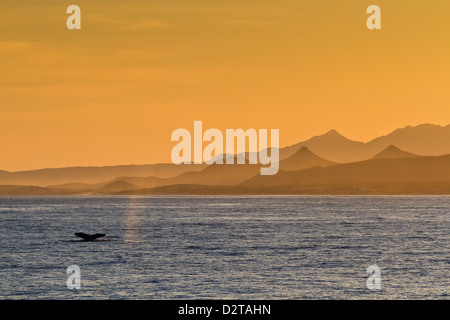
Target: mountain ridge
[393,152]
[302,159]
[331,147]
[424,139]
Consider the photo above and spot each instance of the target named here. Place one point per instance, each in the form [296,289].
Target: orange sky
[113,92]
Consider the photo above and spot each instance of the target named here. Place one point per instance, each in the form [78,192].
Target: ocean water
[305,247]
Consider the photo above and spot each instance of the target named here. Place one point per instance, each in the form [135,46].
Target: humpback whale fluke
[90,237]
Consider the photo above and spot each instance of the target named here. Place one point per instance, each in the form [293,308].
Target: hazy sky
[113,92]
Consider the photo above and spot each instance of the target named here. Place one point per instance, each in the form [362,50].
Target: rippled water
[316,247]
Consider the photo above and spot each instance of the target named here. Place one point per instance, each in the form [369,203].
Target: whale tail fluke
[90,237]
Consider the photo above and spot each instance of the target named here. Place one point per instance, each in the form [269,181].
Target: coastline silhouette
[325,164]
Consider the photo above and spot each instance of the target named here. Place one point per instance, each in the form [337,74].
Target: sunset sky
[113,92]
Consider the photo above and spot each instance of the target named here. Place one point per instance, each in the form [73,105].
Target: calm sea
[306,247]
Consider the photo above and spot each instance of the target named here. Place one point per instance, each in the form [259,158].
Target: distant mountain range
[424,140]
[392,152]
[326,164]
[303,159]
[373,174]
[44,177]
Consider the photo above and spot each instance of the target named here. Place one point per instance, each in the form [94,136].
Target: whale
[90,237]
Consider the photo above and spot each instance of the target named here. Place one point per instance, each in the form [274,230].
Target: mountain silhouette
[92,175]
[223,174]
[405,146]
[425,140]
[13,190]
[411,175]
[119,186]
[303,159]
[218,174]
[419,170]
[331,145]
[393,152]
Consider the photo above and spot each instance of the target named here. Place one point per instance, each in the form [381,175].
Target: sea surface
[281,247]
